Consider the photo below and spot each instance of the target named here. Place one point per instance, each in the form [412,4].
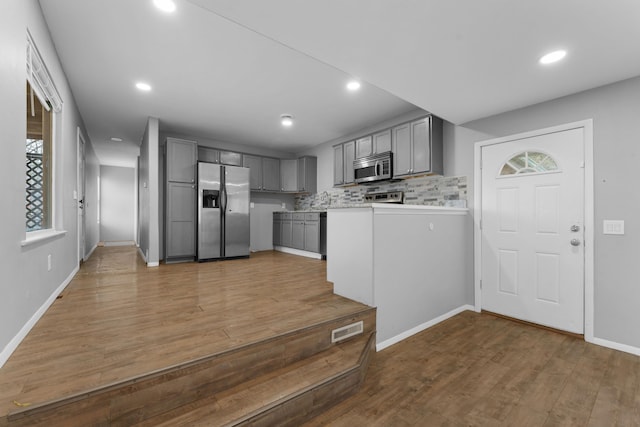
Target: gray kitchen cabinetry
[301,230]
[307,174]
[343,156]
[180,200]
[289,175]
[254,163]
[181,160]
[373,144]
[338,165]
[417,147]
[230,158]
[181,237]
[299,175]
[265,172]
[382,141]
[286,230]
[277,229]
[209,155]
[364,147]
[270,174]
[297,231]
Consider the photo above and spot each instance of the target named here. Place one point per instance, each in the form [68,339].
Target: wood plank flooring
[118,319]
[480,370]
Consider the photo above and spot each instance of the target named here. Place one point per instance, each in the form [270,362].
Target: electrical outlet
[49,262]
[612,227]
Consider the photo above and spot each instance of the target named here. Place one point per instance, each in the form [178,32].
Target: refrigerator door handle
[223,200]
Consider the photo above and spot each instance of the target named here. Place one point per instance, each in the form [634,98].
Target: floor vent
[345,332]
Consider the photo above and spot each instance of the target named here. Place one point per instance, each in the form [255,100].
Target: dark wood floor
[480,370]
[118,319]
[117,316]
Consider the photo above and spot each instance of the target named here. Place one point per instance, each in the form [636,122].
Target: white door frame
[81,216]
[589,231]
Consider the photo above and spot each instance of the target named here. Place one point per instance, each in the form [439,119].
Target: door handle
[575,242]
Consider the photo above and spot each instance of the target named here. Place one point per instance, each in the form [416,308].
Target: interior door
[533,229]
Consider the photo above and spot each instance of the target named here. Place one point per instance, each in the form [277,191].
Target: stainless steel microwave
[373,168]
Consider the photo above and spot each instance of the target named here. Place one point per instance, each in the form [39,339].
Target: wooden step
[285,397]
[152,393]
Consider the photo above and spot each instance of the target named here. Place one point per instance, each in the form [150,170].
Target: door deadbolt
[575,228]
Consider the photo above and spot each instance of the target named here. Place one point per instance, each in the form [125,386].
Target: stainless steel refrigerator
[223,211]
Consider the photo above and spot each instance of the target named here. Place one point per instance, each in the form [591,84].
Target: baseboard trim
[616,346]
[119,243]
[87,256]
[24,331]
[299,252]
[404,335]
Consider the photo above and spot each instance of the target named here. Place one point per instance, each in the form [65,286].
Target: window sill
[34,237]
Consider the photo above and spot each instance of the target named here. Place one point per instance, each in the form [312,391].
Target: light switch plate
[612,226]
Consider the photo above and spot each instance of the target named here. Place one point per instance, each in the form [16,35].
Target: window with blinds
[43,101]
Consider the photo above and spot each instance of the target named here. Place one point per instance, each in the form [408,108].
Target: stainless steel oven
[373,168]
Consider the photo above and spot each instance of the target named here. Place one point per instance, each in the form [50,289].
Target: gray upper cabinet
[181,160]
[265,172]
[209,155]
[382,141]
[254,163]
[402,150]
[338,164]
[270,174]
[307,174]
[417,147]
[230,158]
[349,157]
[364,147]
[289,175]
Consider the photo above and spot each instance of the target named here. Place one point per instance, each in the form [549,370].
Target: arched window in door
[528,162]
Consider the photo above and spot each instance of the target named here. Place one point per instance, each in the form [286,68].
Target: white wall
[91,206]
[149,190]
[27,288]
[615,110]
[117,190]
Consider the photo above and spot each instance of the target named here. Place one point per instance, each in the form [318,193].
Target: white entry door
[532,229]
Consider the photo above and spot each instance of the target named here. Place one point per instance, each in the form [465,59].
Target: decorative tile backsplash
[425,190]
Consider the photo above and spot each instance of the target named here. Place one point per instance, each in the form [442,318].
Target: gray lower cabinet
[301,230]
[277,229]
[181,224]
[297,231]
[286,236]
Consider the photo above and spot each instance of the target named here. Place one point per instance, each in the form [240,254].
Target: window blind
[40,79]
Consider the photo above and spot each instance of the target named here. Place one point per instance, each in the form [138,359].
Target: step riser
[126,404]
[299,409]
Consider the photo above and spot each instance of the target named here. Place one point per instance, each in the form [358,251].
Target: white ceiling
[227,69]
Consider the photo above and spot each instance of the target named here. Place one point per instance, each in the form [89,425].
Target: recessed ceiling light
[353,85]
[286,120]
[143,86]
[552,57]
[165,5]
[116,139]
